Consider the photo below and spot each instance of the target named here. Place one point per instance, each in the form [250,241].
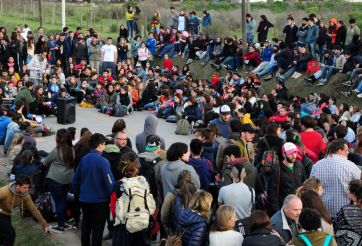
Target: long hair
[222,219]
[311,199]
[186,187]
[17,139]
[309,184]
[201,203]
[129,165]
[259,220]
[83,141]
[65,147]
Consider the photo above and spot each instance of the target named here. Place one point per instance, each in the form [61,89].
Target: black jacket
[261,237]
[290,34]
[282,182]
[341,36]
[284,58]
[274,142]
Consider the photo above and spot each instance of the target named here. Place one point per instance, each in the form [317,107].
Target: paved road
[96,122]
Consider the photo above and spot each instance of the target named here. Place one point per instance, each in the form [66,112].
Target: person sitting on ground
[310,220]
[109,100]
[221,232]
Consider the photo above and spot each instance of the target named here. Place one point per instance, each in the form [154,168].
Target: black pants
[7,231]
[94,219]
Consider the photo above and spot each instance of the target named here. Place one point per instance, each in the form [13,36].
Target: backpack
[183,127]
[313,66]
[269,159]
[307,242]
[119,110]
[177,209]
[147,170]
[243,225]
[44,204]
[136,205]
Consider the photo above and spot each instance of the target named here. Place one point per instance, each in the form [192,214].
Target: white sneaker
[298,75]
[359,95]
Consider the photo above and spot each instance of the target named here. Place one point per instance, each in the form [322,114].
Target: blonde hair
[201,203]
[310,184]
[18,139]
[222,219]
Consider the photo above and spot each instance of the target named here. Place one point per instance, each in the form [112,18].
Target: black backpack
[147,170]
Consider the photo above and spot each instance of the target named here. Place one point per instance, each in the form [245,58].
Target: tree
[243,21]
[41,13]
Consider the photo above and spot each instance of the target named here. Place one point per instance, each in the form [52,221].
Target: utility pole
[243,22]
[41,13]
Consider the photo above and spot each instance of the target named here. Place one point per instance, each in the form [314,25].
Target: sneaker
[189,61]
[347,83]
[321,83]
[359,95]
[267,78]
[346,93]
[57,229]
[356,90]
[297,76]
[223,66]
[67,227]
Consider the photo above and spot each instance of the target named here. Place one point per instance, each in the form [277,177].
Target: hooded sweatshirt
[9,199]
[203,169]
[170,172]
[149,129]
[4,122]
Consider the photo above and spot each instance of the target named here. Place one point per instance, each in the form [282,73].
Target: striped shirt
[335,172]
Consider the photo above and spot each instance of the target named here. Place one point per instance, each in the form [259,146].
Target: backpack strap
[305,239]
[328,240]
[252,199]
[145,198]
[266,143]
[130,199]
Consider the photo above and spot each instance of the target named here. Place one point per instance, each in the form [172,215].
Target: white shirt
[108,51]
[225,238]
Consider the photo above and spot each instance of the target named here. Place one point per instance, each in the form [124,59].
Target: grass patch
[29,232]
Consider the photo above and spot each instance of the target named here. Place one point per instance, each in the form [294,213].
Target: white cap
[225,109]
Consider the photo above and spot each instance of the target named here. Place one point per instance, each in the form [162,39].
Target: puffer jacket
[261,237]
[193,227]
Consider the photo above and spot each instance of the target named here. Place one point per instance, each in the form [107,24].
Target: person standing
[130,21]
[312,36]
[93,180]
[37,67]
[173,18]
[335,172]
[109,56]
[352,31]
[263,29]
[95,53]
[290,31]
[14,195]
[250,26]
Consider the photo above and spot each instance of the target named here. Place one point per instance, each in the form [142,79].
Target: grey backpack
[119,110]
[183,127]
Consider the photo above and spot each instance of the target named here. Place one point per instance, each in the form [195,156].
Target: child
[53,89]
[202,166]
[310,220]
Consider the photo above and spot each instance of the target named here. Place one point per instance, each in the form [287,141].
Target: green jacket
[315,237]
[24,94]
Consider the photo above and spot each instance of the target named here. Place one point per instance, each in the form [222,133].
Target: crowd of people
[263,168]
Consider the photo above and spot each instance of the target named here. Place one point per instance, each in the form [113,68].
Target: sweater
[150,127]
[58,170]
[313,141]
[224,126]
[203,169]
[10,199]
[93,179]
[225,238]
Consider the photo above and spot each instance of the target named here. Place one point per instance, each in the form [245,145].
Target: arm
[274,182]
[107,176]
[34,211]
[51,157]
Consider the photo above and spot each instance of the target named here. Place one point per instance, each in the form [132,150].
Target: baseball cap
[152,142]
[225,109]
[289,148]
[247,128]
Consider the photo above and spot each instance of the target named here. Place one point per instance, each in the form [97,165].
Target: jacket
[261,237]
[224,126]
[204,170]
[193,113]
[25,94]
[283,181]
[340,60]
[95,52]
[58,170]
[170,172]
[280,224]
[11,130]
[284,58]
[35,67]
[290,34]
[232,139]
[93,179]
[350,33]
[274,142]
[317,238]
[206,20]
[333,31]
[4,122]
[252,56]
[267,53]
[80,51]
[9,199]
[302,33]
[109,100]
[312,34]
[113,155]
[150,127]
[193,227]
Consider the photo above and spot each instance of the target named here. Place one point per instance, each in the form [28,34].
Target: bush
[113,28]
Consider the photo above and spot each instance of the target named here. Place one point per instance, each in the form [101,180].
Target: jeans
[261,67]
[151,105]
[94,65]
[7,231]
[166,49]
[268,69]
[312,48]
[59,193]
[250,38]
[94,219]
[130,28]
[359,88]
[122,57]
[286,74]
[109,65]
[328,71]
[320,50]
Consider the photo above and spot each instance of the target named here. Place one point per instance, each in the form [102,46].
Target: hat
[343,118]
[225,109]
[138,65]
[247,128]
[289,148]
[153,142]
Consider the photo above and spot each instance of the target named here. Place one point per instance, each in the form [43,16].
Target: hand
[275,233]
[47,230]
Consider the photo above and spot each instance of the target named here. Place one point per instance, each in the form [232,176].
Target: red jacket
[252,56]
[167,64]
[103,79]
[278,118]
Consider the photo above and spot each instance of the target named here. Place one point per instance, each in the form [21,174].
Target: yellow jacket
[246,119]
[129,16]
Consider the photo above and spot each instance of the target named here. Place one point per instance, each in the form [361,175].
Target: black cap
[247,128]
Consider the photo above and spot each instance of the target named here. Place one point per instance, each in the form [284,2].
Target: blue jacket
[151,45]
[27,169]
[209,152]
[193,113]
[4,122]
[267,53]
[224,126]
[312,34]
[93,178]
[206,20]
[202,167]
[194,227]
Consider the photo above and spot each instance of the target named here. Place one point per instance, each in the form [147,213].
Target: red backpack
[313,66]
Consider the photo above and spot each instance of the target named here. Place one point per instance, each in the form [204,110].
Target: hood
[111,148]
[174,165]
[334,20]
[150,125]
[148,156]
[12,188]
[235,136]
[197,163]
[4,118]
[189,218]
